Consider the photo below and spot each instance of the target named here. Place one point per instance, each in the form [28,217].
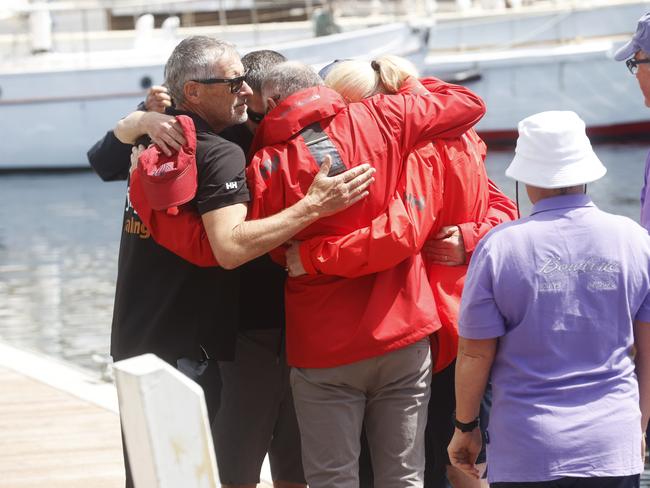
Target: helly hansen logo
[164,168]
[414,201]
[268,166]
[231,185]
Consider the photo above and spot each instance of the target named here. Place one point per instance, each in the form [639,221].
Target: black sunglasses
[235,83]
[633,64]
[254,116]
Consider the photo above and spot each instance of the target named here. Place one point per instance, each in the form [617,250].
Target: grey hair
[258,64]
[287,78]
[193,59]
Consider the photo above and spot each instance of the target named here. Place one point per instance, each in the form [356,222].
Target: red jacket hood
[311,105]
[296,112]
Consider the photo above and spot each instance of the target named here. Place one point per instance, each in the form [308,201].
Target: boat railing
[92,25]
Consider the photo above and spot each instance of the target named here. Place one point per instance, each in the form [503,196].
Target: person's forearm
[473,366]
[254,238]
[392,236]
[110,158]
[326,196]
[500,209]
[129,129]
[642,362]
[235,241]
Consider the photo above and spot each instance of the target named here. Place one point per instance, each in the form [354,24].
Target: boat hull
[55,109]
[581,77]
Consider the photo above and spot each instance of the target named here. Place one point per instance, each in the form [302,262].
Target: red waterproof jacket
[476,205]
[334,320]
[459,193]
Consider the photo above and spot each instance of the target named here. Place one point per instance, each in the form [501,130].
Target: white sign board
[165,424]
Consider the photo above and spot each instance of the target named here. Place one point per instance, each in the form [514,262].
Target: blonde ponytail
[356,80]
[353,79]
[392,71]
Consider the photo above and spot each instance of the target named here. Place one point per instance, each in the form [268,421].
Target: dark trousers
[206,374]
[440,427]
[366,478]
[603,482]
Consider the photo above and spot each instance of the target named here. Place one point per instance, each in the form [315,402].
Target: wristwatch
[465,427]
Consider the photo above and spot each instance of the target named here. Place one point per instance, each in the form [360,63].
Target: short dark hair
[258,64]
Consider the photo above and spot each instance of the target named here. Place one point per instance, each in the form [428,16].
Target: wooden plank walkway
[51,438]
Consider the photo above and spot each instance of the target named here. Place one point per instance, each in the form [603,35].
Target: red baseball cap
[170,181]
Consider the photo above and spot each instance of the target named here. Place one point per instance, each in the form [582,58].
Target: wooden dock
[59,427]
[63,432]
[51,438]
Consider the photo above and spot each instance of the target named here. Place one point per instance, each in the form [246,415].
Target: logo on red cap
[170,181]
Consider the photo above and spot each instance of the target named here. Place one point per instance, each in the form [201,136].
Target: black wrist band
[465,427]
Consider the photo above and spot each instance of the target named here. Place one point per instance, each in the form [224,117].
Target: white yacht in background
[552,57]
[547,55]
[582,77]
[56,105]
[543,21]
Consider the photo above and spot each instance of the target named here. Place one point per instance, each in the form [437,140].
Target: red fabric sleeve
[387,241]
[256,175]
[441,110]
[183,234]
[392,236]
[264,202]
[500,209]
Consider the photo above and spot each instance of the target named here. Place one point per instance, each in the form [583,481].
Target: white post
[222,14]
[165,424]
[40,28]
[463,5]
[255,21]
[309,9]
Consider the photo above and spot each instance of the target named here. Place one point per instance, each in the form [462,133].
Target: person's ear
[191,91]
[270,104]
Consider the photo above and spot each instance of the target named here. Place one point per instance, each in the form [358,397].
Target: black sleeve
[222,177]
[110,158]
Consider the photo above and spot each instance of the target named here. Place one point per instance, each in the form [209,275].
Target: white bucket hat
[553,151]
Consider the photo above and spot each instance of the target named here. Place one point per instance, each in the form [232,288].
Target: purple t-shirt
[645,198]
[560,289]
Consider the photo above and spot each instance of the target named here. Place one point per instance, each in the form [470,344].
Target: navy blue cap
[327,68]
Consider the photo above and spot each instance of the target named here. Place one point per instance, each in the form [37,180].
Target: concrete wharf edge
[59,425]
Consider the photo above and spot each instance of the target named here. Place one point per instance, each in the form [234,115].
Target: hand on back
[330,194]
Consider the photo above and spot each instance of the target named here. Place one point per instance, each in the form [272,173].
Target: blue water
[59,238]
[617,192]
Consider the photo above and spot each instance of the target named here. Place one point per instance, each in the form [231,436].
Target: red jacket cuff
[305,258]
[470,240]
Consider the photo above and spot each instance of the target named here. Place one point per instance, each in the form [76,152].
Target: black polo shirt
[262,280]
[163,304]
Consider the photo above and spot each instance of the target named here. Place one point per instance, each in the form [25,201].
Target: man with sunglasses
[245,428]
[636,53]
[164,304]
